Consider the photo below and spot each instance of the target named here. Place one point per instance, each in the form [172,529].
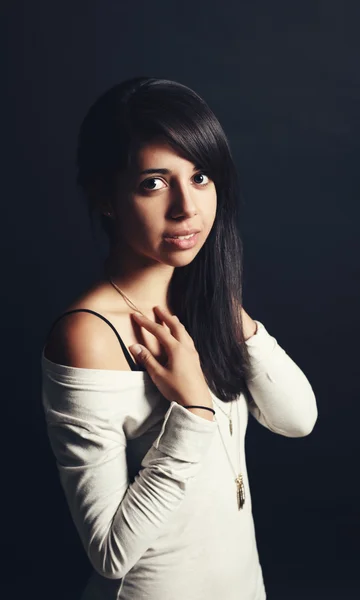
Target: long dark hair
[206,294]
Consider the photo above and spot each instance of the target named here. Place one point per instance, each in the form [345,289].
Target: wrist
[201,412]
[203,409]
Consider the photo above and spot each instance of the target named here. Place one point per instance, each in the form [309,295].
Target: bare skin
[140,262]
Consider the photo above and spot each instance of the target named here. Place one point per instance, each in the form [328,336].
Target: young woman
[150,446]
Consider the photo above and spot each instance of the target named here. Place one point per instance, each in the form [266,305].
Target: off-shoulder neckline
[69,370]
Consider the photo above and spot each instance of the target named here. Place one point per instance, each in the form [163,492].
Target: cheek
[211,207]
[142,228]
[137,219]
[132,229]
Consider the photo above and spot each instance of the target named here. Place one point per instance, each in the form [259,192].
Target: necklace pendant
[230,426]
[240,491]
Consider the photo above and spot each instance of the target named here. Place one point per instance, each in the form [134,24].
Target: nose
[183,200]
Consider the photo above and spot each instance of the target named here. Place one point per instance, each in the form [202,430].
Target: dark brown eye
[149,184]
[202,175]
[145,184]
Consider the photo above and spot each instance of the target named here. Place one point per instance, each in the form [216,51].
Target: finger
[172,321]
[144,356]
[161,333]
[166,316]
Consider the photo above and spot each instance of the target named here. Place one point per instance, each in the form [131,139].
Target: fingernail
[136,349]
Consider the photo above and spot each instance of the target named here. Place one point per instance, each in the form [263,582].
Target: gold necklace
[132,305]
[228,416]
[239,480]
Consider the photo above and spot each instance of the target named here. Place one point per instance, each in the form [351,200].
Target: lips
[177,233]
[182,244]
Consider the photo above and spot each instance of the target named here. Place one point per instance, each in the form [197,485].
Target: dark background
[283,79]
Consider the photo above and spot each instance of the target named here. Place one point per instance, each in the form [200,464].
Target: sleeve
[118,522]
[282,398]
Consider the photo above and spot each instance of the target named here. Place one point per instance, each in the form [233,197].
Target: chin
[181,257]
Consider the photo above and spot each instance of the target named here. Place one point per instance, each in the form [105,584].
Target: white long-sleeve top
[149,485]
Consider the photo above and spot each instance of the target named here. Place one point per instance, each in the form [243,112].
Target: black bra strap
[131,362]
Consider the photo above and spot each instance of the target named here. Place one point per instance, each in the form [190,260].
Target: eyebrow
[162,171]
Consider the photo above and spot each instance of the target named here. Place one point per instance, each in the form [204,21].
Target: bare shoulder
[83,340]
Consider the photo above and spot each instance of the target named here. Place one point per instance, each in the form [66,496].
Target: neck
[132,283]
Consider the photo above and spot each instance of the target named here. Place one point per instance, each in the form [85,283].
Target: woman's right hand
[181,380]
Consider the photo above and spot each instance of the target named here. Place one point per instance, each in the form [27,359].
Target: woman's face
[174,197]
